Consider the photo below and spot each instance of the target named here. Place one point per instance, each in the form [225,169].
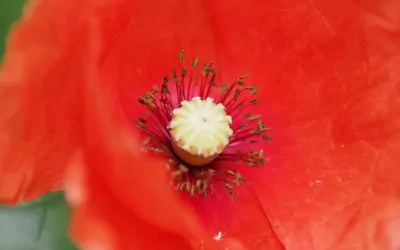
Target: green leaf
[39,225]
[10,10]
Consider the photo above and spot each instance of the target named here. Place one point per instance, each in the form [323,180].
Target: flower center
[205,141]
[200,130]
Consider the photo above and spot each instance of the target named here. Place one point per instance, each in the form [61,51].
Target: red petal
[42,76]
[368,224]
[41,98]
[243,219]
[148,49]
[102,219]
[328,106]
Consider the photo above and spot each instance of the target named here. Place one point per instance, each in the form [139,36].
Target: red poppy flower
[329,91]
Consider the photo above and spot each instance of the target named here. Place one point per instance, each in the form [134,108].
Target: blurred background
[41,224]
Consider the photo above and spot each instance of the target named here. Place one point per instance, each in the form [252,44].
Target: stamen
[194,132]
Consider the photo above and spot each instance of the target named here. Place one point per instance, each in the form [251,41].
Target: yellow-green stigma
[200,130]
